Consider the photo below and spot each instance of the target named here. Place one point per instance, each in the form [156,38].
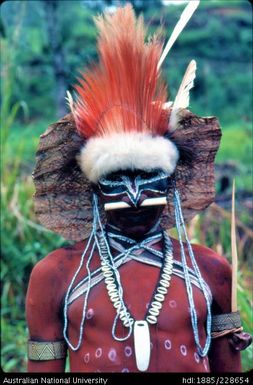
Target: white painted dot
[183,350]
[205,365]
[128,351]
[167,344]
[172,303]
[196,356]
[112,355]
[98,371]
[151,345]
[90,314]
[98,352]
[125,370]
[87,358]
[147,305]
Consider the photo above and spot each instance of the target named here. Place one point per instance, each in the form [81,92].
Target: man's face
[133,200]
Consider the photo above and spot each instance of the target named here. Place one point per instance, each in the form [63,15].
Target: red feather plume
[123,92]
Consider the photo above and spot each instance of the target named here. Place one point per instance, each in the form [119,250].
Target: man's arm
[216,271]
[222,355]
[43,313]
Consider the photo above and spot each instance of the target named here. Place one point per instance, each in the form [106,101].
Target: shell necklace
[114,288]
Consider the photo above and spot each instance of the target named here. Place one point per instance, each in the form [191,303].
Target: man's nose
[134,203]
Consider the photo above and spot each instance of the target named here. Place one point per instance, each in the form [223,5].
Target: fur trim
[127,151]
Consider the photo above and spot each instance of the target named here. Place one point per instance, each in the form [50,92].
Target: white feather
[70,101]
[184,18]
[183,96]
[167,105]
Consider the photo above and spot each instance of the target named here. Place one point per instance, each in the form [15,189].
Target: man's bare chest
[172,333]
[139,282]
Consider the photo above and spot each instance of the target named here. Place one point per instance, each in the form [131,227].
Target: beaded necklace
[141,327]
[93,242]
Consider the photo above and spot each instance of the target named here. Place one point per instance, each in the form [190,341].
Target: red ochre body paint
[172,343]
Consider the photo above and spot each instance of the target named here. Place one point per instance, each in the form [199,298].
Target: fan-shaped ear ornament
[121,120]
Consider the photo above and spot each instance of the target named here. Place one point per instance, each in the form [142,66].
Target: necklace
[141,327]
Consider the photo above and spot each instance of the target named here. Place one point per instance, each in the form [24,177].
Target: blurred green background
[44,45]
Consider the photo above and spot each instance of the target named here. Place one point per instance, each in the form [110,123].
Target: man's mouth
[140,215]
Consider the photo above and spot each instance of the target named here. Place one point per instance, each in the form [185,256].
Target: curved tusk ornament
[160,201]
[142,345]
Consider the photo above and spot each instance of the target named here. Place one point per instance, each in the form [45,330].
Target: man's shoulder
[216,271]
[59,262]
[207,258]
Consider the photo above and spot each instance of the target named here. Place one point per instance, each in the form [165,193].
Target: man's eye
[116,178]
[113,177]
[148,175]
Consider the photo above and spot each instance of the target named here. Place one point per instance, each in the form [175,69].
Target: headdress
[122,120]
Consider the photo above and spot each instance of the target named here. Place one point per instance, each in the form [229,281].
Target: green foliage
[13,352]
[23,241]
[245,307]
[224,70]
[236,147]
[26,23]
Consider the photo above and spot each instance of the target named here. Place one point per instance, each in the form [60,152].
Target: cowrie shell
[164,283]
[154,312]
[159,297]
[151,319]
[162,290]
[156,304]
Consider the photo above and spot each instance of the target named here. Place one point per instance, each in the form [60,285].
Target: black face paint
[134,188]
[131,186]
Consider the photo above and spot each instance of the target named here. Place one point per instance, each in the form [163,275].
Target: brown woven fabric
[63,193]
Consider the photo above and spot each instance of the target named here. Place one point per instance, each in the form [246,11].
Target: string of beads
[159,294]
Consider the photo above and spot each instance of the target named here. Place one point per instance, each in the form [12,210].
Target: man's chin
[135,223]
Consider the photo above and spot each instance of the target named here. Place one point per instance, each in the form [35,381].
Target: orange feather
[123,92]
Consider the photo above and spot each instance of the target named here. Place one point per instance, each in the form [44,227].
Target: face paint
[129,192]
[129,189]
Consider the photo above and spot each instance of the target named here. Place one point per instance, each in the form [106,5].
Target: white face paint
[121,184]
[133,200]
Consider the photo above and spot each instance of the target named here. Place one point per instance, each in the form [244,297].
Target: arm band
[44,351]
[223,324]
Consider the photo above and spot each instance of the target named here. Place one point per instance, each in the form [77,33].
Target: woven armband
[44,351]
[223,324]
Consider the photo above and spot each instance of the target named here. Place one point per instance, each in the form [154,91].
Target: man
[128,298]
